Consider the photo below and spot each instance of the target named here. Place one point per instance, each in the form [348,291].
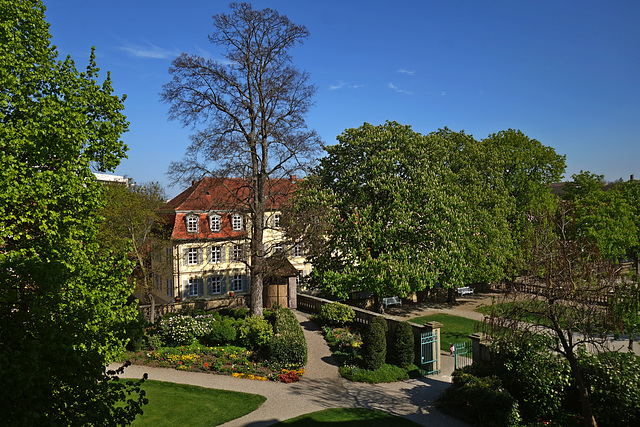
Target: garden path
[321,388]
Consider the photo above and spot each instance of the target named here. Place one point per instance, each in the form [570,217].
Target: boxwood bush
[288,344]
[222,332]
[403,346]
[374,348]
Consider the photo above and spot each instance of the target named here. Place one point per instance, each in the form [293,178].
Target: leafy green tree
[582,184]
[524,168]
[133,223]
[400,212]
[252,106]
[63,305]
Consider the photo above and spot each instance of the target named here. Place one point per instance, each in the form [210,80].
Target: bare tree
[252,106]
[565,296]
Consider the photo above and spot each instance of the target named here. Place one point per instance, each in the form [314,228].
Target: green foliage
[481,400]
[222,332]
[136,332]
[63,308]
[374,348]
[403,345]
[538,379]
[384,374]
[256,332]
[336,314]
[613,380]
[403,211]
[288,344]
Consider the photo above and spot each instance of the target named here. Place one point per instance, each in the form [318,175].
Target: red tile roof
[223,196]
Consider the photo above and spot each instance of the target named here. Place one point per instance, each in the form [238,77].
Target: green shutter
[200,287]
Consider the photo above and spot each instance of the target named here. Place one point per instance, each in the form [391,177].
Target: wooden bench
[465,291]
[386,302]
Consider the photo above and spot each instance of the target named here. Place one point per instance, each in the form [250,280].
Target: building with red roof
[210,231]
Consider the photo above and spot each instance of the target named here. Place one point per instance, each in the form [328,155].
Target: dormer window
[215,223]
[192,223]
[276,221]
[236,222]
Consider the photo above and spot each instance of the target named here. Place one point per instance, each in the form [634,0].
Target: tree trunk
[451,296]
[585,404]
[630,342]
[152,309]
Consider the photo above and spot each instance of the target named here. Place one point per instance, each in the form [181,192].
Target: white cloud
[397,89]
[409,72]
[149,50]
[443,93]
[343,85]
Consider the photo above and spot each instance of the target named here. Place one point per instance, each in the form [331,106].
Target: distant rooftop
[104,177]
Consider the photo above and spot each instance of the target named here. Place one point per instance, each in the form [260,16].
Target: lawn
[454,328]
[172,404]
[349,416]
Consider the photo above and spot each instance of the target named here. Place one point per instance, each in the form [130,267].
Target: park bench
[465,291]
[386,302]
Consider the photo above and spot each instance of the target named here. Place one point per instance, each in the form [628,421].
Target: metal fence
[462,354]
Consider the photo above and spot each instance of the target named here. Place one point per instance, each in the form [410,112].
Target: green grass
[386,374]
[173,404]
[454,328]
[358,417]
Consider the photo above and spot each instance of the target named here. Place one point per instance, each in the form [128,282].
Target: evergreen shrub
[403,348]
[288,344]
[221,333]
[374,348]
[256,333]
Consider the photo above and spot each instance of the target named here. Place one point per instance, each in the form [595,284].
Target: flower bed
[225,360]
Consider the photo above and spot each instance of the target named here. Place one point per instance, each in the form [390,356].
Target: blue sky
[566,73]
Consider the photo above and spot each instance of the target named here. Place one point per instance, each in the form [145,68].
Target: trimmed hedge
[288,344]
[403,346]
[374,348]
[222,333]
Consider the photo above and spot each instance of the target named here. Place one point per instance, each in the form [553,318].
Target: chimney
[631,178]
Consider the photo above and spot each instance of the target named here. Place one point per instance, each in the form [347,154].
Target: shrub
[481,400]
[221,333]
[336,314]
[403,346]
[374,348]
[537,378]
[183,330]
[136,332]
[288,344]
[256,332]
[614,383]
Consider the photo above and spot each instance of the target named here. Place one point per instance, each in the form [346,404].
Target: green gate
[462,354]
[429,353]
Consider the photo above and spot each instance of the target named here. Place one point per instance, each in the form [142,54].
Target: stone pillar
[480,345]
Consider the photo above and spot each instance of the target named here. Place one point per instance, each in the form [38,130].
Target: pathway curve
[322,387]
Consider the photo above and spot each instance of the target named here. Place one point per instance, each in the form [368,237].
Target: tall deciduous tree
[133,223]
[525,168]
[252,105]
[62,305]
[401,212]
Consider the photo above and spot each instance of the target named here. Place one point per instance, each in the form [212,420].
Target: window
[298,250]
[215,285]
[216,254]
[276,221]
[192,287]
[169,288]
[238,252]
[192,256]
[277,247]
[215,223]
[299,277]
[192,224]
[236,282]
[236,222]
